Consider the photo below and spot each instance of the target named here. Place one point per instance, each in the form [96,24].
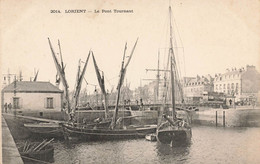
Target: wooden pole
[224,117]
[216,118]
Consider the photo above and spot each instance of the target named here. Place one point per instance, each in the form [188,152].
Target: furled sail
[101,82]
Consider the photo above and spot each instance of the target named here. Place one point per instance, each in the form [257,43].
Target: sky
[211,36]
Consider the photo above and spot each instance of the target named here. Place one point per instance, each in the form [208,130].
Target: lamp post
[233,95]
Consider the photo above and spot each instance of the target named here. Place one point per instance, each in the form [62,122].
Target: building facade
[30,95]
[195,87]
[240,84]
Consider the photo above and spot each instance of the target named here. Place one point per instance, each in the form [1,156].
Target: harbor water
[209,145]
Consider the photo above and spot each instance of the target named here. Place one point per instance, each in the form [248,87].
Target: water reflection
[168,154]
[209,145]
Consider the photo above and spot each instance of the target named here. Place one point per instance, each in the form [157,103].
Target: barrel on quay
[10,153]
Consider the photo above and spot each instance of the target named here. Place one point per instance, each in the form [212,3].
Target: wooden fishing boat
[37,152]
[115,129]
[80,133]
[46,155]
[174,131]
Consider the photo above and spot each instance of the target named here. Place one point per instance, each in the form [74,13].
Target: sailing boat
[105,122]
[52,128]
[174,131]
[115,130]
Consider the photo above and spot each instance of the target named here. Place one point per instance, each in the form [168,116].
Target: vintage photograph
[130,81]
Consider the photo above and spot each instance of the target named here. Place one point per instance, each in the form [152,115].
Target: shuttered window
[16,103]
[49,103]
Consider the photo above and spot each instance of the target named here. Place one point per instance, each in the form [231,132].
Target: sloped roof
[205,79]
[232,72]
[32,86]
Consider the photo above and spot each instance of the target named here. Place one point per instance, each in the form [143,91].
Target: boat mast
[158,78]
[61,60]
[113,123]
[61,73]
[173,92]
[120,83]
[80,78]
[173,61]
[101,82]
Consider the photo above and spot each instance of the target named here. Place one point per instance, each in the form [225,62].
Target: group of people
[9,106]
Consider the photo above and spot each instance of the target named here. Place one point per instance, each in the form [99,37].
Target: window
[237,88]
[49,103]
[16,103]
[232,86]
[224,86]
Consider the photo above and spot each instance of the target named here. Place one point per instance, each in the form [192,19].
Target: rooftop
[32,86]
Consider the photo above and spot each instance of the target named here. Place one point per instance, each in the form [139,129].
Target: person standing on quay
[5,107]
[10,107]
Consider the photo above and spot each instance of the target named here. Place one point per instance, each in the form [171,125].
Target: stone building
[242,85]
[33,96]
[195,87]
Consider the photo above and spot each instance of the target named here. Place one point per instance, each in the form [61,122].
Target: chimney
[250,67]
[58,85]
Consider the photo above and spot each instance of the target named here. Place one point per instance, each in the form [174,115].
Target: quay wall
[10,153]
[89,115]
[145,117]
[16,126]
[241,117]
[227,117]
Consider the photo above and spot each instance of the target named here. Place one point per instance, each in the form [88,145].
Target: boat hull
[71,132]
[48,130]
[46,154]
[174,137]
